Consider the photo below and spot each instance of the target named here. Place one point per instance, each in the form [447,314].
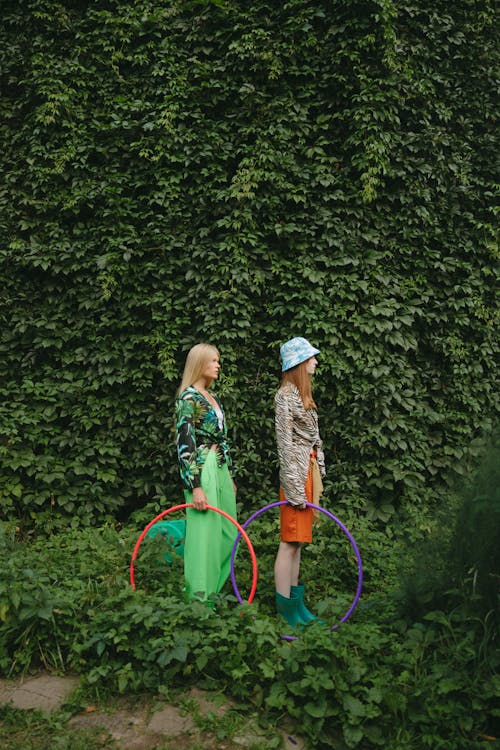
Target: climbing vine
[241,173]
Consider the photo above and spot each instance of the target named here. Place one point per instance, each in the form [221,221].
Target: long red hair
[300,378]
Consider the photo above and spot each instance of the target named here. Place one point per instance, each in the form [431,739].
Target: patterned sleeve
[186,443]
[290,480]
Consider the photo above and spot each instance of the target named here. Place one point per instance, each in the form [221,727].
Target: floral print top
[198,429]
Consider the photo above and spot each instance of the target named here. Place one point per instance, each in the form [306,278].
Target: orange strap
[314,483]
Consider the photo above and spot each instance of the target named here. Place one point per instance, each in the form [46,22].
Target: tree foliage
[241,173]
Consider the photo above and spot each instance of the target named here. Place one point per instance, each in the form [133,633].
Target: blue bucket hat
[295,351]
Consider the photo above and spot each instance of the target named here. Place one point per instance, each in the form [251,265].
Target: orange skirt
[296,525]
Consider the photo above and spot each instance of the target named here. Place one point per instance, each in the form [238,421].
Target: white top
[220,418]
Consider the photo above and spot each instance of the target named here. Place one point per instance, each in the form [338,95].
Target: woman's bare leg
[286,567]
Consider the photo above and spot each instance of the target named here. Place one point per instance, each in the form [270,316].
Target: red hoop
[209,507]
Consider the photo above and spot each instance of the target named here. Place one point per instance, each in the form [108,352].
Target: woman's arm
[290,479]
[187,453]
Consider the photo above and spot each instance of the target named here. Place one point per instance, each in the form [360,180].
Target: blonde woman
[205,467]
[302,465]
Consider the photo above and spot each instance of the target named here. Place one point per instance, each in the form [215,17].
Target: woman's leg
[286,570]
[296,566]
[286,567]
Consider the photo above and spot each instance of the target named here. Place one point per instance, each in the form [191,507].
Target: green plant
[242,173]
[33,730]
[378,680]
[459,562]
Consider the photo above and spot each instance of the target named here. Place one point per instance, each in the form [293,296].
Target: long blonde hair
[301,379]
[198,357]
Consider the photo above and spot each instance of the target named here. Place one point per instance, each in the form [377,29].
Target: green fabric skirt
[210,536]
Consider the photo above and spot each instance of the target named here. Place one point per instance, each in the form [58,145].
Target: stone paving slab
[126,728]
[208,705]
[43,692]
[254,736]
[292,741]
[171,722]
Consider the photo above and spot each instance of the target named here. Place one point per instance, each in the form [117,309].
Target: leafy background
[242,173]
[417,667]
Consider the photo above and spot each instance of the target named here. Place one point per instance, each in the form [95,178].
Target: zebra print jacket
[297,434]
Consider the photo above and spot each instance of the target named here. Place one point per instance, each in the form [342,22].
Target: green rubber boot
[288,608]
[297,592]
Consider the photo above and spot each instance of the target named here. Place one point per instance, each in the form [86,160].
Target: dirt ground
[197,721]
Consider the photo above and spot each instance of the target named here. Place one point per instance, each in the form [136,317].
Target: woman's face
[211,369]
[311,365]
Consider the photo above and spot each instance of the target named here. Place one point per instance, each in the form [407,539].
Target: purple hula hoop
[339,523]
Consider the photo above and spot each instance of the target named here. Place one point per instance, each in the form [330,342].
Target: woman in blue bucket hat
[302,465]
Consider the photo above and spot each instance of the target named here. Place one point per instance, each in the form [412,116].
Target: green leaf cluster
[242,173]
[376,682]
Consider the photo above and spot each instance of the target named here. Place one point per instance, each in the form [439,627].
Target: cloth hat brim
[296,351]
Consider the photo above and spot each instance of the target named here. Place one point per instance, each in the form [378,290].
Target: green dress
[209,536]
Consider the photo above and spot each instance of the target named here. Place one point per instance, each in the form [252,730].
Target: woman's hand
[234,486]
[200,501]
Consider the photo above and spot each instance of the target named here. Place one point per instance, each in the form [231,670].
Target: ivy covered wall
[240,173]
